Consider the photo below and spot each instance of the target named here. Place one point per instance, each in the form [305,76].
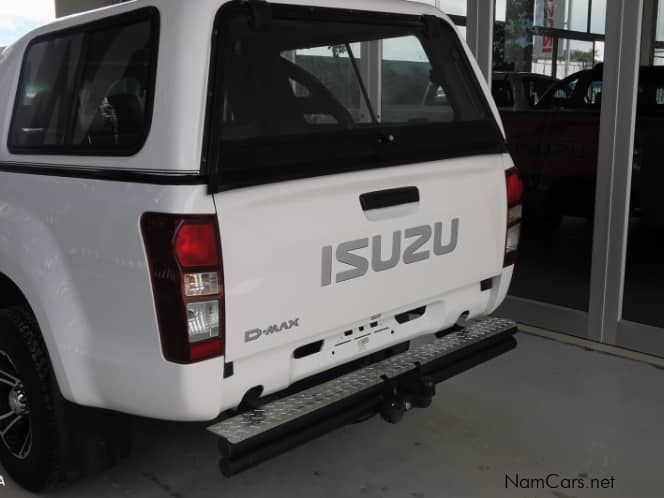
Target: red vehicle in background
[555,146]
[519,91]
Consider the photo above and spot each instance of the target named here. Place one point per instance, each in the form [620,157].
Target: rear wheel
[28,433]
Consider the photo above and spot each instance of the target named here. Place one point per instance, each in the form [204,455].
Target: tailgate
[304,258]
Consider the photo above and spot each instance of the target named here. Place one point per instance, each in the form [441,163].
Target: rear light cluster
[514,215]
[187,280]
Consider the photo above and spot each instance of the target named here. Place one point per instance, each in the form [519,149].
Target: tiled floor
[546,408]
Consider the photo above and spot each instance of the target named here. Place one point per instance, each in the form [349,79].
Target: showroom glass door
[642,325]
[547,83]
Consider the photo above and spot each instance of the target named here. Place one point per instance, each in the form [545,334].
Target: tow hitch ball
[398,399]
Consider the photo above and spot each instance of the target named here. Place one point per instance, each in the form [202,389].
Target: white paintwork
[272,238]
[74,248]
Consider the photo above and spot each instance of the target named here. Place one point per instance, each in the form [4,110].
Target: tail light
[184,257]
[514,215]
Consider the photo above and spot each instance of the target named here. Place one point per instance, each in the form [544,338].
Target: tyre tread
[29,334]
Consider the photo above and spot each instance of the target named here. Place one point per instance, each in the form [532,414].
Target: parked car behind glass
[555,146]
[519,91]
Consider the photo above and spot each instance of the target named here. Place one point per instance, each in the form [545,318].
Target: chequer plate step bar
[390,387]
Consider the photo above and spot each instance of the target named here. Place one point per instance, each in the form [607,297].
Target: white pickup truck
[242,212]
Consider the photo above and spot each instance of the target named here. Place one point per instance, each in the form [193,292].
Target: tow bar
[397,400]
[390,387]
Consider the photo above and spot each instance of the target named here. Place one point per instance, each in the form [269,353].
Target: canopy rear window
[303,92]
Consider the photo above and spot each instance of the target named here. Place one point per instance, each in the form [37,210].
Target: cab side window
[88,91]
[565,92]
[594,93]
[502,93]
[535,88]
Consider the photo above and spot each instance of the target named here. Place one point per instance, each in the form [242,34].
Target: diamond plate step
[257,422]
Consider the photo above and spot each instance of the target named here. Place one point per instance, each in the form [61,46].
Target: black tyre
[28,432]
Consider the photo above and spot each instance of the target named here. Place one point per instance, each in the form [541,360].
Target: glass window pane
[598,19]
[542,58]
[554,14]
[334,68]
[514,46]
[409,95]
[577,15]
[660,22]
[553,130]
[45,97]
[93,101]
[313,78]
[644,272]
[501,10]
[562,14]
[659,44]
[659,57]
[599,52]
[113,95]
[574,56]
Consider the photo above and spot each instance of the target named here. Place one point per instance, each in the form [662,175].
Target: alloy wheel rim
[15,420]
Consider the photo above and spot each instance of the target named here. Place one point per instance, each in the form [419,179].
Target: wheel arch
[101,437]
[13,295]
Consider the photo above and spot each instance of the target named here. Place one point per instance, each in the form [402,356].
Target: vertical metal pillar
[479,34]
[614,170]
[649,33]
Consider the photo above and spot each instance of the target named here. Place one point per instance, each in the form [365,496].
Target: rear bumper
[390,387]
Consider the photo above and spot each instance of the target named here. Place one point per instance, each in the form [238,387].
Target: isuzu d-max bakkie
[244,213]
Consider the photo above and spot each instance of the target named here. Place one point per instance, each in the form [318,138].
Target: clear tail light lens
[203,321]
[201,284]
[513,236]
[514,215]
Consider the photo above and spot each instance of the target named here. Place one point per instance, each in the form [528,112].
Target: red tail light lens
[185,264]
[196,245]
[515,190]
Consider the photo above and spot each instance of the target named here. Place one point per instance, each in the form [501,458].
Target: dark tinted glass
[644,292]
[331,90]
[41,111]
[87,92]
[535,88]
[502,93]
[553,136]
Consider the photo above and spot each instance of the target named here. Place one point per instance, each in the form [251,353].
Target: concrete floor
[544,408]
